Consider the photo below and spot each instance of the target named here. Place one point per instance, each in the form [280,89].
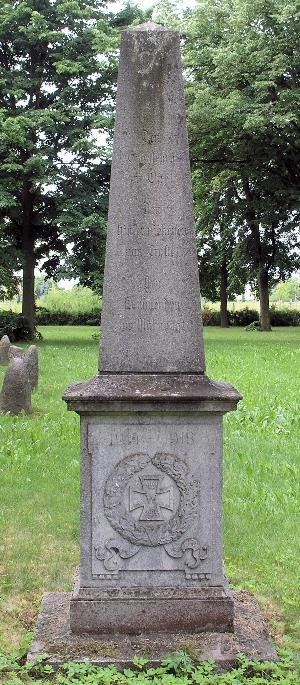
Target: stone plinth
[151,504]
[54,641]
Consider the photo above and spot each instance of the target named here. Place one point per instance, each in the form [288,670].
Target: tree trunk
[263,285]
[28,302]
[224,298]
[252,217]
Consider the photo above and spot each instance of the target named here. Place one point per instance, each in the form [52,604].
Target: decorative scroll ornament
[113,552]
[190,549]
[151,497]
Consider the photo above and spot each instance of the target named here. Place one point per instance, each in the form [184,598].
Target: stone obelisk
[151,420]
[151,319]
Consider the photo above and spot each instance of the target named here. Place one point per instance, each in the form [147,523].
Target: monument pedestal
[151,504]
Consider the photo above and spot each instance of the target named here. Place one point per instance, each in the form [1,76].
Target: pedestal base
[54,640]
[144,610]
[151,504]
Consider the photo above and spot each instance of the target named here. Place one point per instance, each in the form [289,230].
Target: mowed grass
[39,469]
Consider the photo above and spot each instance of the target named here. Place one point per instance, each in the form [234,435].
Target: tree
[84,216]
[243,94]
[222,269]
[83,221]
[58,73]
[9,281]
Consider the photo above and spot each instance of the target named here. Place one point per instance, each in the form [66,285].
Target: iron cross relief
[151,498]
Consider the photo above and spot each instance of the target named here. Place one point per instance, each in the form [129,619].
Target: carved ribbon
[113,553]
[191,551]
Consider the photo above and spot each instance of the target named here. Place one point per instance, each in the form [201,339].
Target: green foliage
[285,317]
[78,300]
[254,326]
[42,285]
[57,86]
[9,282]
[176,669]
[14,325]
[78,306]
[44,317]
[287,291]
[243,85]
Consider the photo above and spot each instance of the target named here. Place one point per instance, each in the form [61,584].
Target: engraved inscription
[184,438]
[156,593]
[168,251]
[130,438]
[152,158]
[151,498]
[152,230]
[144,325]
[144,305]
[125,438]
[147,284]
[150,138]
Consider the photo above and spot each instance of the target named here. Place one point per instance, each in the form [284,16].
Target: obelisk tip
[148,26]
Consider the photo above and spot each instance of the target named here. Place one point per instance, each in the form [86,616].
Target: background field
[39,467]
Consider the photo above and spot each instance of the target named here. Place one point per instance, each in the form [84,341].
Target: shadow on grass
[73,342]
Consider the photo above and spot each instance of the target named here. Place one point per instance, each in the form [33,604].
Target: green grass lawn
[39,466]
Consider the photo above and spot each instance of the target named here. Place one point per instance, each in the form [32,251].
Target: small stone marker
[32,364]
[31,359]
[4,350]
[16,395]
[151,420]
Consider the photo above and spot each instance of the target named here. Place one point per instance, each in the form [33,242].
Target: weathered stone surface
[15,351]
[16,394]
[31,360]
[151,514]
[151,319]
[134,611]
[32,365]
[159,387]
[54,639]
[171,460]
[4,350]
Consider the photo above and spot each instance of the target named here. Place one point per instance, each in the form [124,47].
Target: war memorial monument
[151,575]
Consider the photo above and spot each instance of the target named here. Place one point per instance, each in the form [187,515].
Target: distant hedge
[14,325]
[244,317]
[44,317]
[211,317]
[285,317]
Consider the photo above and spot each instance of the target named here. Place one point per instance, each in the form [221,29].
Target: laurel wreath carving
[151,533]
